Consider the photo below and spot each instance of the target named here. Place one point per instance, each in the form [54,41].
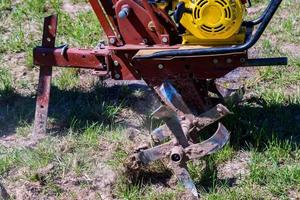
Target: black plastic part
[266,62]
[250,40]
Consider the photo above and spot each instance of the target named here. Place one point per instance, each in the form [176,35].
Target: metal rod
[260,18]
[266,62]
[43,94]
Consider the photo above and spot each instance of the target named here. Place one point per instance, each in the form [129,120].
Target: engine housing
[213,22]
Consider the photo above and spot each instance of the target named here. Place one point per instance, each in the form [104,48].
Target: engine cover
[213,22]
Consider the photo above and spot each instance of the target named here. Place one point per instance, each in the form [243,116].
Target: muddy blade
[210,146]
[185,179]
[213,115]
[163,133]
[173,123]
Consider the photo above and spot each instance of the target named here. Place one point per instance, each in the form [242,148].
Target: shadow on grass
[100,105]
[254,125]
[250,125]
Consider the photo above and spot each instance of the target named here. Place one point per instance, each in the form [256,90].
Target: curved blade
[210,146]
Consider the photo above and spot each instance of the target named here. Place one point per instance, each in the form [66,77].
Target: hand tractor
[179,48]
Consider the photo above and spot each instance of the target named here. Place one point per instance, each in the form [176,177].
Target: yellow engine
[210,22]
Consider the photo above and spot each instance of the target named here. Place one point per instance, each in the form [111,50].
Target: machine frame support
[45,77]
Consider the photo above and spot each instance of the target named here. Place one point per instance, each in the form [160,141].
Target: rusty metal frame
[43,92]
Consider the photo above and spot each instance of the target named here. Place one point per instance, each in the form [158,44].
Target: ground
[93,125]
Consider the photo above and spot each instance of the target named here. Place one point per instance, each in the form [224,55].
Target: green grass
[6,83]
[83,126]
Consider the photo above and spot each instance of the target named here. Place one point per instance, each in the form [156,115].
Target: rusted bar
[106,20]
[43,93]
[81,58]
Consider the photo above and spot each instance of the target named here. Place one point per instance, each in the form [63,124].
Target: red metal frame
[147,29]
[43,94]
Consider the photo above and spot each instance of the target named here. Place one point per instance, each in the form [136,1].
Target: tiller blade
[178,133]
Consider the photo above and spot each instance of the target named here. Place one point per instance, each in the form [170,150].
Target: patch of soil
[72,9]
[98,183]
[292,49]
[294,194]
[236,169]
[14,141]
[142,103]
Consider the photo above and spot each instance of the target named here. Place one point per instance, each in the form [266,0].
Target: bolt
[229,60]
[117,76]
[151,26]
[160,66]
[243,60]
[116,63]
[101,44]
[164,39]
[145,40]
[44,54]
[215,61]
[112,40]
[124,12]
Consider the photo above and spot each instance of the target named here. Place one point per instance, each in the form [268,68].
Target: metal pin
[229,60]
[215,61]
[116,63]
[164,39]
[112,40]
[117,76]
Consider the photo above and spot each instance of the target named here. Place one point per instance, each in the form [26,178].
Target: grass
[6,83]
[85,135]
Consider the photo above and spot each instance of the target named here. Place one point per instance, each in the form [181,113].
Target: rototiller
[179,48]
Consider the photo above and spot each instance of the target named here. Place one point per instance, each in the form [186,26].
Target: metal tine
[144,157]
[172,98]
[183,176]
[211,116]
[163,113]
[179,128]
[163,133]
[210,146]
